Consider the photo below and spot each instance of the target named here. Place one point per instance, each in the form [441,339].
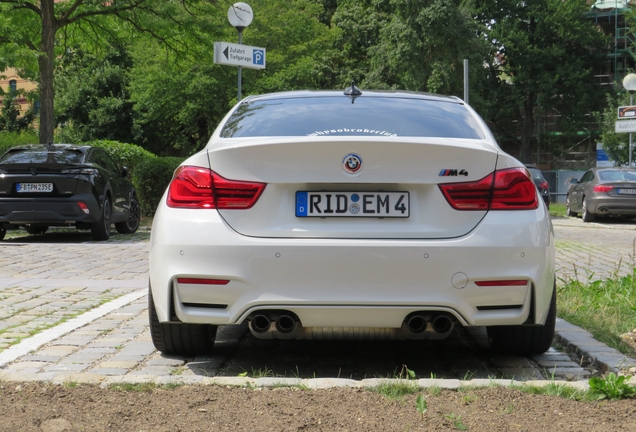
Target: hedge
[151,178]
[128,155]
[12,139]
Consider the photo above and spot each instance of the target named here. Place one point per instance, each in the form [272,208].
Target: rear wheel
[585,214]
[36,229]
[568,208]
[186,340]
[101,229]
[130,225]
[525,340]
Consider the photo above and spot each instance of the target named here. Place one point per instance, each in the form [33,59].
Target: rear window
[617,176]
[536,174]
[63,156]
[338,116]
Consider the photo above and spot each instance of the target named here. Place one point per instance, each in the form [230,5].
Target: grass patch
[397,389]
[557,210]
[557,389]
[605,308]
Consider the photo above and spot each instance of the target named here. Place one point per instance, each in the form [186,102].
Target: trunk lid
[391,166]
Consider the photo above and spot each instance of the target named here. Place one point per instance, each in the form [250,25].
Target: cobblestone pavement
[73,310]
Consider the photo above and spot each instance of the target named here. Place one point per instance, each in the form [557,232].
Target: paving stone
[112,364]
[520,373]
[70,367]
[108,371]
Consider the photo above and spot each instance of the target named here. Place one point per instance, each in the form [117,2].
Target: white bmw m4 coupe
[352,215]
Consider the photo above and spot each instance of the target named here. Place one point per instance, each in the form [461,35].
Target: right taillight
[201,188]
[509,189]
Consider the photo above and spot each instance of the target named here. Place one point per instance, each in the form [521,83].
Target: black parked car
[541,183]
[65,185]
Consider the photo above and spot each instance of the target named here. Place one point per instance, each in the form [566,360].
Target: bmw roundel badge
[352,163]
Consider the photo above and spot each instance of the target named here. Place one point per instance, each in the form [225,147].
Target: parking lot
[76,310]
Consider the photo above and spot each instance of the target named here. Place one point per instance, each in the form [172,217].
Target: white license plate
[352,204]
[34,187]
[627,191]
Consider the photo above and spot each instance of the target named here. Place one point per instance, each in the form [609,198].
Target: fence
[559,182]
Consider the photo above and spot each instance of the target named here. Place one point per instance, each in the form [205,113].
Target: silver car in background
[603,192]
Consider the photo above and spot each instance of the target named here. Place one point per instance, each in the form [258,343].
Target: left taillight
[603,188]
[201,188]
[509,189]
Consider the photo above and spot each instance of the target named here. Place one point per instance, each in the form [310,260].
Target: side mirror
[124,171]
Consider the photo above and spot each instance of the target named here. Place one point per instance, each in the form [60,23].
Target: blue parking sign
[258,57]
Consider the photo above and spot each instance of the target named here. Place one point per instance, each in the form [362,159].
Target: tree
[548,54]
[31,29]
[414,45]
[179,100]
[93,99]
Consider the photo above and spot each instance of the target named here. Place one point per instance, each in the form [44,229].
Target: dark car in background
[603,192]
[541,183]
[65,185]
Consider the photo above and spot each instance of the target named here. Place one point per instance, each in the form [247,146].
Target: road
[76,310]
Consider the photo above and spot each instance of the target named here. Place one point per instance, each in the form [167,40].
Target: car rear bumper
[612,205]
[351,282]
[51,211]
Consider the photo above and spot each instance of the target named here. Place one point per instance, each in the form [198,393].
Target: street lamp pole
[629,82]
[240,15]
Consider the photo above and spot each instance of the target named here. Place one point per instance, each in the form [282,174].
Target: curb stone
[583,344]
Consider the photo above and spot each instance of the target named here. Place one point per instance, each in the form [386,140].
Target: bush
[128,155]
[12,139]
[151,178]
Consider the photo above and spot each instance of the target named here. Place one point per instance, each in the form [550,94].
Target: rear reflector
[196,281]
[603,188]
[515,282]
[509,189]
[84,207]
[201,188]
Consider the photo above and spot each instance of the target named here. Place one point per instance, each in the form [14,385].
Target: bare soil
[56,408]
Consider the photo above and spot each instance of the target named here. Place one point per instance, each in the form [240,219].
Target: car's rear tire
[131,224]
[525,340]
[36,229]
[568,208]
[180,339]
[101,229]
[585,213]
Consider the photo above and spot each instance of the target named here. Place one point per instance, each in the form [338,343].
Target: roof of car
[403,94]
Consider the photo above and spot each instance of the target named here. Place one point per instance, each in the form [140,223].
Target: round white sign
[240,15]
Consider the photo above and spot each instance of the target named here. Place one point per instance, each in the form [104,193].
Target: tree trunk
[527,129]
[46,60]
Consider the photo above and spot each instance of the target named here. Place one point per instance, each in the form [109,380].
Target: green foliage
[10,120]
[420,404]
[93,100]
[12,139]
[550,51]
[615,144]
[612,387]
[151,178]
[128,155]
[181,97]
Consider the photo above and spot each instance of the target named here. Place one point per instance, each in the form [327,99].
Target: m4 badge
[452,173]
